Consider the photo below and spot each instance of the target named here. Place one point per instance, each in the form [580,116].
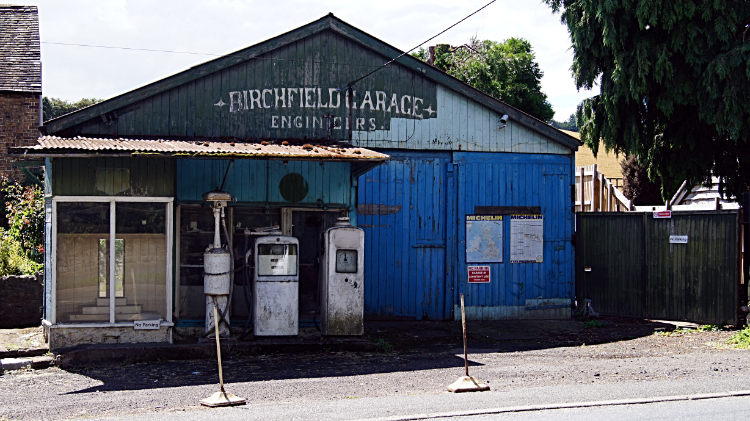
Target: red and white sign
[479,274]
[663,214]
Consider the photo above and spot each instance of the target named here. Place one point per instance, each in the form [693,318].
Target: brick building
[20,80]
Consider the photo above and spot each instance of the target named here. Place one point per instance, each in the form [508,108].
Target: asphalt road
[347,386]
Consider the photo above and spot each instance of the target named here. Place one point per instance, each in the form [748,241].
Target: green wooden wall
[113,176]
[317,64]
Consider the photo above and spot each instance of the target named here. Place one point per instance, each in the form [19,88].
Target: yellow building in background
[607,163]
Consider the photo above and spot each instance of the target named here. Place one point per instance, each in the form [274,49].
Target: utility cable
[132,49]
[350,84]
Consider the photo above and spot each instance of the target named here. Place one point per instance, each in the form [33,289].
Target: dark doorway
[307,227]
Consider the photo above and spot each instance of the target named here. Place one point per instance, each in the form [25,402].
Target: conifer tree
[674,81]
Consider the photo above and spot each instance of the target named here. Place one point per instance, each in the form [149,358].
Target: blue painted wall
[412,210]
[256,181]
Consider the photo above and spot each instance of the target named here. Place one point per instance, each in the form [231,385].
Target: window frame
[112,200]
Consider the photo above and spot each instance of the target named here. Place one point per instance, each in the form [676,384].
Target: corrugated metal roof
[52,145]
[20,56]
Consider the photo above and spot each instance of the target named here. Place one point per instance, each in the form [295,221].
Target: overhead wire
[350,84]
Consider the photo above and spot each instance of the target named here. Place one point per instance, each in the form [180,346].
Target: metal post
[218,345]
[463,324]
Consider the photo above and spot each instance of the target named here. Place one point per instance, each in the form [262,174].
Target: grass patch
[678,331]
[382,344]
[740,339]
[593,324]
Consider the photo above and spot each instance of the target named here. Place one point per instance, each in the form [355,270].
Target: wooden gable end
[290,92]
[287,88]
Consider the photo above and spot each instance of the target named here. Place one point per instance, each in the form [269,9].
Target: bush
[13,259]
[23,232]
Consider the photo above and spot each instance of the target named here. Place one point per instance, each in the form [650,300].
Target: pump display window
[92,274]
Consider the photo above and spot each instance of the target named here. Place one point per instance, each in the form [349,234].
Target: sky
[223,26]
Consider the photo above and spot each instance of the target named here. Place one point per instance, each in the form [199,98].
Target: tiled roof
[20,55]
[51,145]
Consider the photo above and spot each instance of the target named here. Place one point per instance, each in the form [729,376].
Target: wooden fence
[595,193]
[634,265]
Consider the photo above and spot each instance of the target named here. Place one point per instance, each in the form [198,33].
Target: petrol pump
[342,280]
[217,267]
[275,285]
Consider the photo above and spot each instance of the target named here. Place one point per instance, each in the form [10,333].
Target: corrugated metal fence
[626,263]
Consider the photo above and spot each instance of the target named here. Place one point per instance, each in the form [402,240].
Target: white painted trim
[112,199]
[53,277]
[90,325]
[112,262]
[169,233]
[178,221]
[112,235]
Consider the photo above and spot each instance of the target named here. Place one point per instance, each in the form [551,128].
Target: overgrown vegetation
[382,344]
[678,331]
[22,236]
[55,107]
[740,339]
[593,324]
[505,70]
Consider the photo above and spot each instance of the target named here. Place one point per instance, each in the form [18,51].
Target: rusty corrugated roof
[53,145]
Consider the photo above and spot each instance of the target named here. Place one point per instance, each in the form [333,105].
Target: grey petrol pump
[276,286]
[342,280]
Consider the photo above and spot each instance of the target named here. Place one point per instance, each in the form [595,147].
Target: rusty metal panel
[627,265]
[204,148]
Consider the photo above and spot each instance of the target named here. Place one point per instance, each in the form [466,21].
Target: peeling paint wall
[65,337]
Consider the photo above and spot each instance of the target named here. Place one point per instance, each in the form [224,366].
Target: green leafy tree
[55,107]
[505,70]
[569,124]
[674,81]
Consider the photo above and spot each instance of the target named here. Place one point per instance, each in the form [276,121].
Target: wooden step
[89,317]
[104,302]
[105,310]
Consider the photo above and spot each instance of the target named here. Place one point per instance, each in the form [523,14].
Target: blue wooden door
[516,180]
[402,208]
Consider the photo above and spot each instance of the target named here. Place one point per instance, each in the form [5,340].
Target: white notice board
[526,238]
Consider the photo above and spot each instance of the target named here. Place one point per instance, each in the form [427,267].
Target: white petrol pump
[217,268]
[276,285]
[342,280]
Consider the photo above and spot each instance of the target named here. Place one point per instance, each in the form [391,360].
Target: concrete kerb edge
[529,408]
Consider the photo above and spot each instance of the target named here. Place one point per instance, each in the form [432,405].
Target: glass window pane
[140,261]
[277,259]
[82,254]
[196,233]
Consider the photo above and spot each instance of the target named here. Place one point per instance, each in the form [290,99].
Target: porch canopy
[322,150]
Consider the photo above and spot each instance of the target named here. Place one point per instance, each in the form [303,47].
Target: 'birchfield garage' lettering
[404,106]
